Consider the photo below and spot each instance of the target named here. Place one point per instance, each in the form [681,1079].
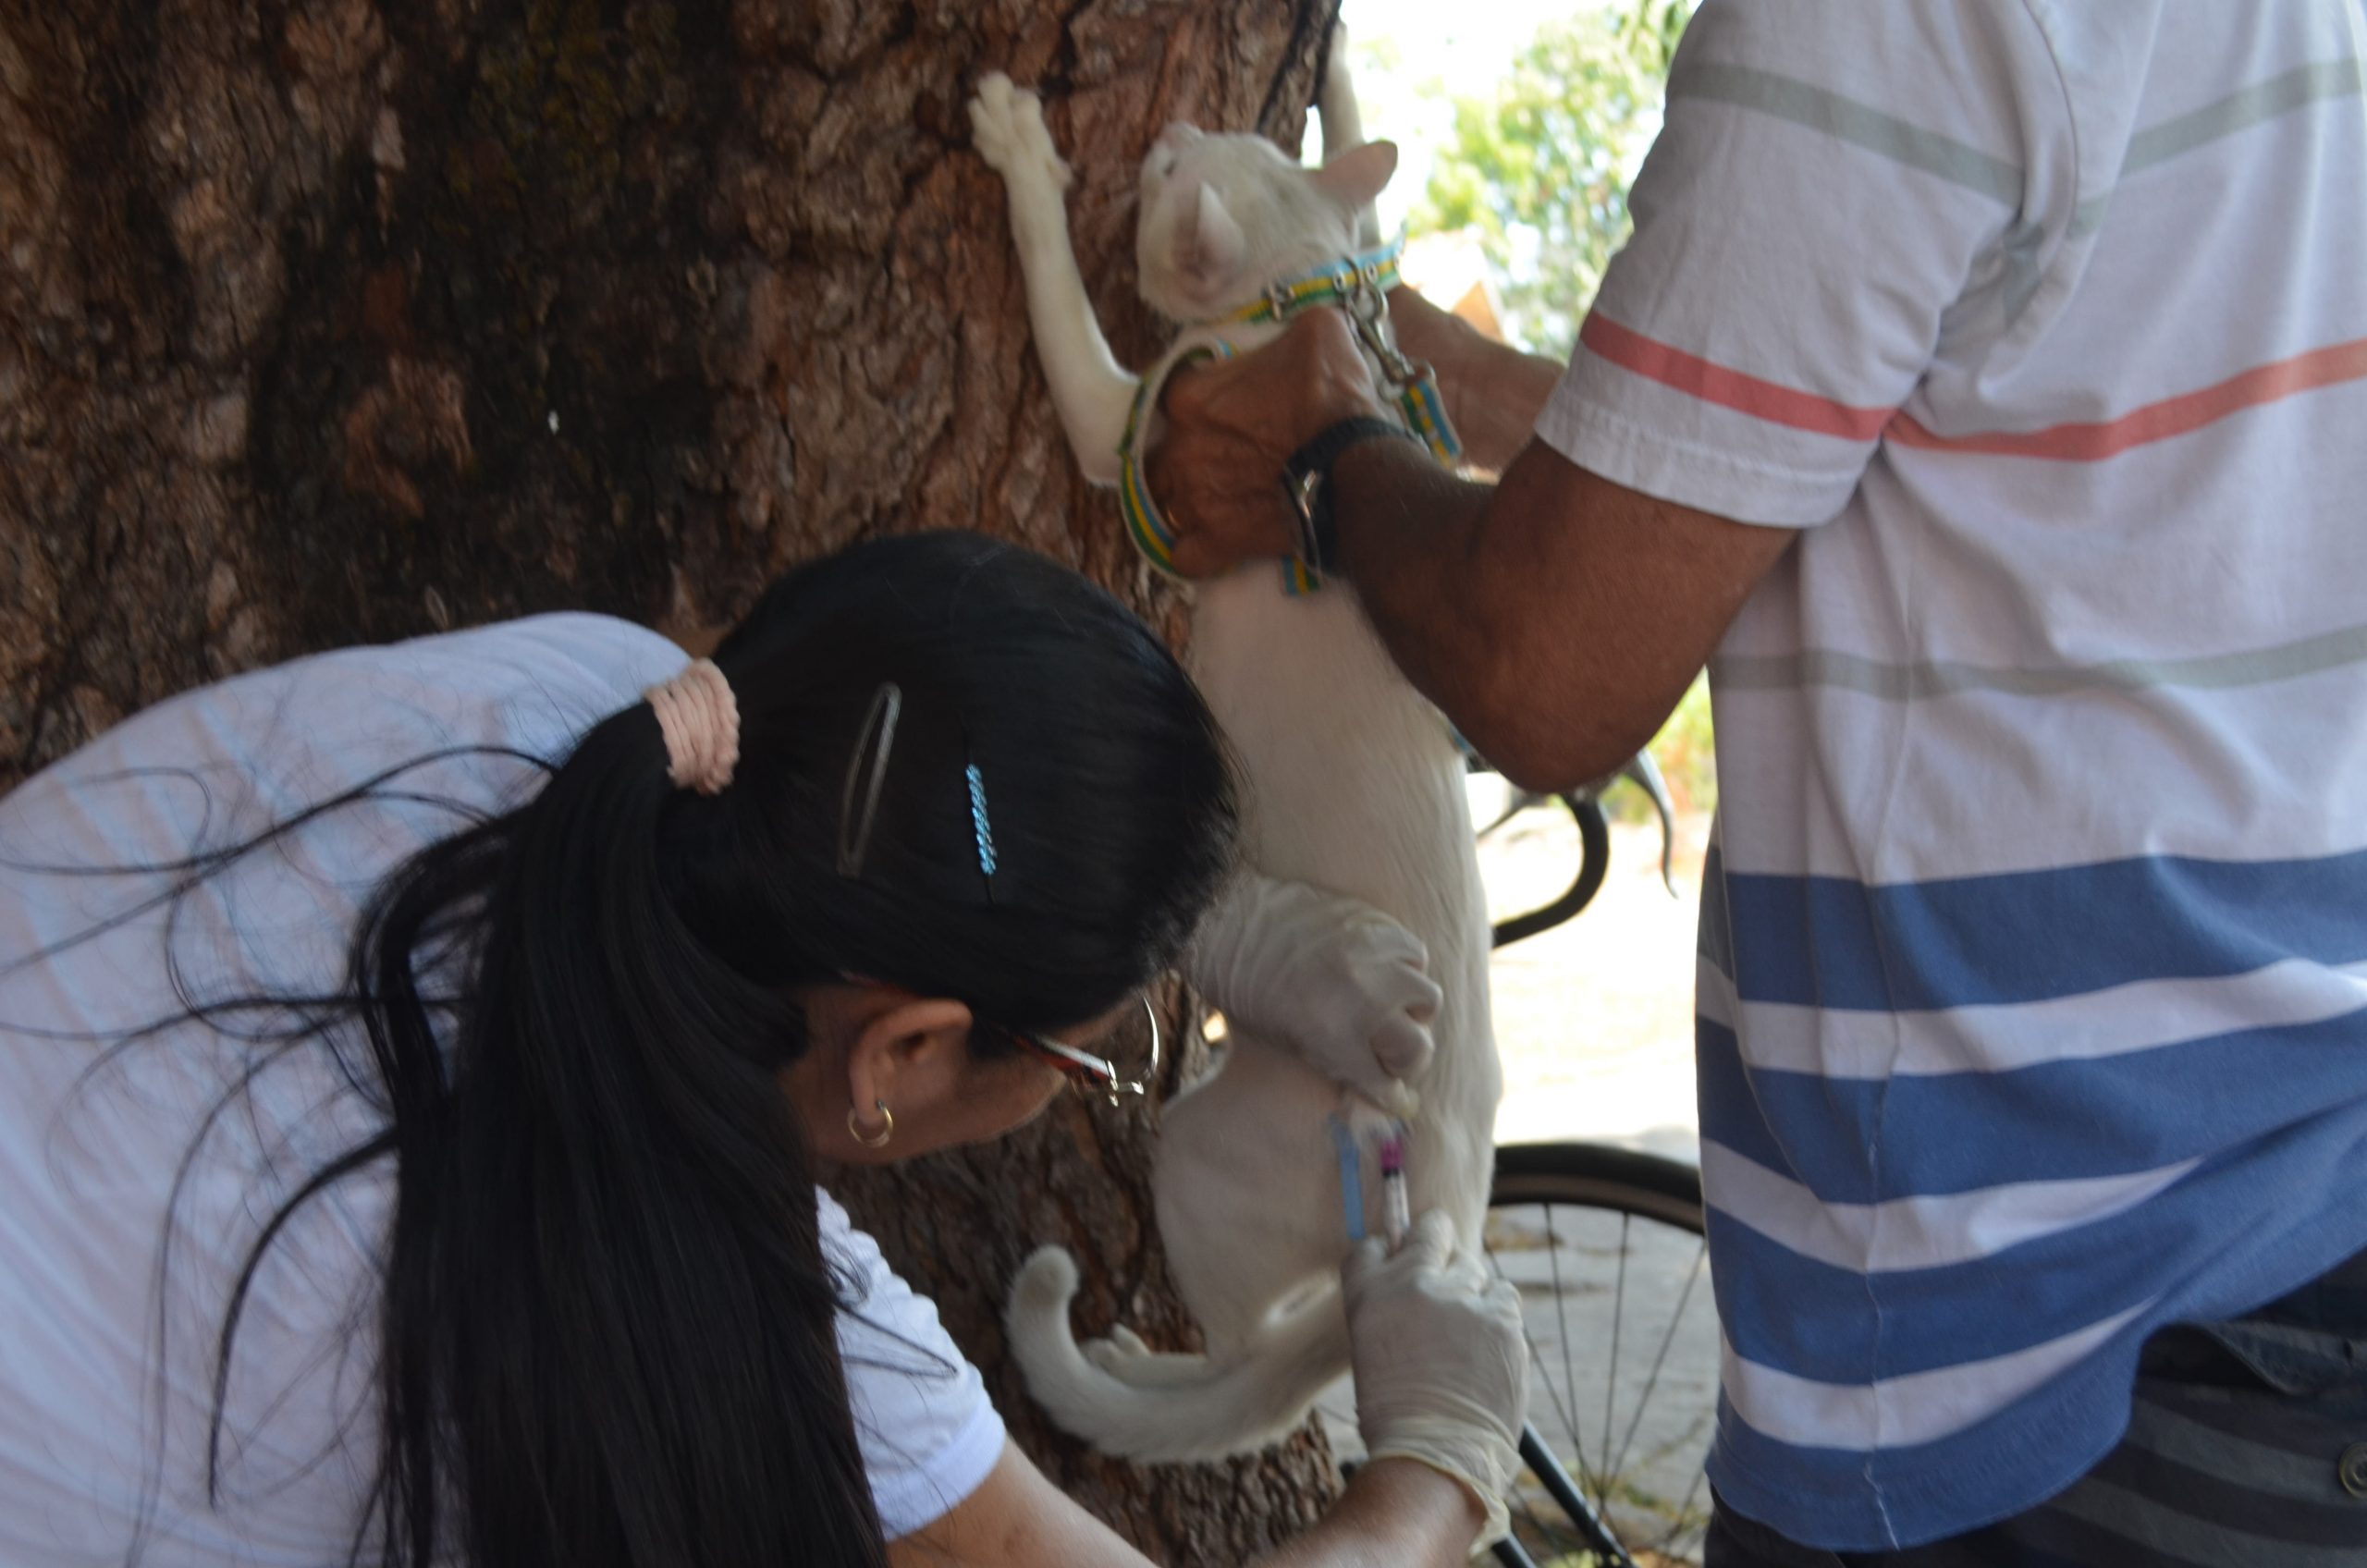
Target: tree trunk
[335,320]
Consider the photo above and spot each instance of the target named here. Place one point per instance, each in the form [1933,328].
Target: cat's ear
[1356,176]
[1210,247]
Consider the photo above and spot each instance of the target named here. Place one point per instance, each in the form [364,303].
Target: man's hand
[1232,426]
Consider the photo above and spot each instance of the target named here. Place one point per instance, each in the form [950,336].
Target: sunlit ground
[1594,1019]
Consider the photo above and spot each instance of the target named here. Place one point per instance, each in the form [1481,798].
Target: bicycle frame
[1565,1491]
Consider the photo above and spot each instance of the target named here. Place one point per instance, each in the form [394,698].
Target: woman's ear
[911,1050]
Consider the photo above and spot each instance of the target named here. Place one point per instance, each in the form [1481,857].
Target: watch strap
[1307,479]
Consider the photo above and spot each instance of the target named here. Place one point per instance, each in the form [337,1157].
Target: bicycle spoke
[1569,1360]
[1660,1359]
[1646,1460]
[1685,1510]
[1610,1375]
[1524,1512]
[1536,1353]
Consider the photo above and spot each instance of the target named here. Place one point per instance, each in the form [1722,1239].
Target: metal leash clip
[1369,311]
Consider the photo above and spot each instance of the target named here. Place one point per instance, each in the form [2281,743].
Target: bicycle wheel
[1606,1248]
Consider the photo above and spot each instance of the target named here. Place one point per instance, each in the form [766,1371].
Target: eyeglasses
[1092,1072]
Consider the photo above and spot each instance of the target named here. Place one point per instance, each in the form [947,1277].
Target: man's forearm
[1494,392]
[1408,534]
[1554,618]
[1499,392]
[1396,1513]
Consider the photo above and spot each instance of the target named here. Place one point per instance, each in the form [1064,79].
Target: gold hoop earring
[870,1141]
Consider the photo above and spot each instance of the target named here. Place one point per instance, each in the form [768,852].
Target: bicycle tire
[1594,864]
[1637,1218]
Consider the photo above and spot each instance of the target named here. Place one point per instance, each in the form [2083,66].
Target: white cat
[1354,785]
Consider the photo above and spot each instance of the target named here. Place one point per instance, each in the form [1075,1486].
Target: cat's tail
[1170,1409]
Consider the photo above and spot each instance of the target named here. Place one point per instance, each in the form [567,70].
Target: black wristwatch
[1306,478]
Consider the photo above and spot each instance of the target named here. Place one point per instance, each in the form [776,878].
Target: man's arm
[1396,1513]
[1492,391]
[1556,618]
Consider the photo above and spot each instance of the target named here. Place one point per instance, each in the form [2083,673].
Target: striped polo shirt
[2033,969]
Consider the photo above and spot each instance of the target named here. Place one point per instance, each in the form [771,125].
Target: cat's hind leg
[1344,126]
[1335,100]
[1184,1407]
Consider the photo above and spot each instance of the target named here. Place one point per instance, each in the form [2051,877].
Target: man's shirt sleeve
[1838,190]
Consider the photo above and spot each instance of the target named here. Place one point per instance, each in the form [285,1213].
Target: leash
[1358,285]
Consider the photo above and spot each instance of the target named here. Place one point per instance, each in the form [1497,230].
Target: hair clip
[877,736]
[978,823]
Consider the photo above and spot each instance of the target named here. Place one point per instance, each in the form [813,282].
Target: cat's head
[1224,215]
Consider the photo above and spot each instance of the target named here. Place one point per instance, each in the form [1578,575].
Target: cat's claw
[1007,128]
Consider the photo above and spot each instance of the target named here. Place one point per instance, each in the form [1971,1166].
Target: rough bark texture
[326,321]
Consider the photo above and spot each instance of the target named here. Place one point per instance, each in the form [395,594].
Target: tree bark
[338,320]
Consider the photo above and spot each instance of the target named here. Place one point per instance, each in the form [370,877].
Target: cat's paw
[1007,128]
[1123,1343]
[1124,1356]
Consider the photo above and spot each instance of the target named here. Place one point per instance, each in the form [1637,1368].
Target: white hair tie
[700,719]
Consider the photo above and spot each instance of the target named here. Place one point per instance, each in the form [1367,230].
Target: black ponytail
[609,1328]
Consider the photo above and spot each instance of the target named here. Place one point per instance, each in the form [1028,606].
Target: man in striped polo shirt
[1983,395]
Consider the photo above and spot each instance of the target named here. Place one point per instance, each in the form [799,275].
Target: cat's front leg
[1091,391]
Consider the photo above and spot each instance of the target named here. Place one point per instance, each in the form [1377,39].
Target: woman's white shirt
[128,1212]
[928,1432]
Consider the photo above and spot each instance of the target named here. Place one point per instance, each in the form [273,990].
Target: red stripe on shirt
[1698,377]
[2182,415]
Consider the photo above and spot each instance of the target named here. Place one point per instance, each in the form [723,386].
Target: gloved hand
[1441,1363]
[1339,982]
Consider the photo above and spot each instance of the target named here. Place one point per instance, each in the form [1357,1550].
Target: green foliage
[1653,27]
[1539,167]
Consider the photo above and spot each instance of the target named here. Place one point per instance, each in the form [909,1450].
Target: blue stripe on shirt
[2037,1445]
[1828,941]
[2040,1290]
[2280,1230]
[2103,1116]
[1839,1327]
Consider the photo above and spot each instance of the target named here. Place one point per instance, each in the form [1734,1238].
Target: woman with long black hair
[413,1063]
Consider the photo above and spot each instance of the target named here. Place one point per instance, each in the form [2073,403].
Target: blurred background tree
[1538,167]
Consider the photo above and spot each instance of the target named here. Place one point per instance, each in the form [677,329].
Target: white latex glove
[1441,1364]
[1339,982]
